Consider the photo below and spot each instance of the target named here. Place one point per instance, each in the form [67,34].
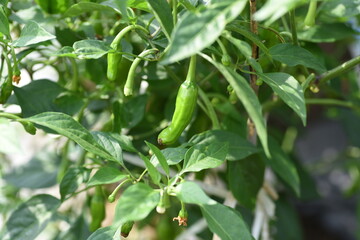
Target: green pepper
[6,88]
[97,209]
[126,228]
[311,14]
[184,108]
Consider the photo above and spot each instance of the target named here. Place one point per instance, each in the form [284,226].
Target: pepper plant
[179,115]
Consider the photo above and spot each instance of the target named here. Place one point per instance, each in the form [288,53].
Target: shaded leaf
[154,173]
[70,182]
[321,32]
[162,11]
[83,7]
[106,175]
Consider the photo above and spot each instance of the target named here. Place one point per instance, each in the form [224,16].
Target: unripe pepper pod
[97,209]
[126,228]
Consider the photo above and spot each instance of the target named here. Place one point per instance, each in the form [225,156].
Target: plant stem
[75,79]
[255,48]
[210,108]
[174,12]
[310,16]
[339,70]
[293,27]
[9,116]
[116,42]
[192,69]
[329,101]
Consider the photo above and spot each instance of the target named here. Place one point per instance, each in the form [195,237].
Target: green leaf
[341,8]
[84,7]
[161,158]
[283,166]
[106,233]
[4,22]
[202,157]
[190,192]
[245,179]
[136,203]
[106,175]
[54,7]
[70,182]
[46,96]
[172,155]
[31,217]
[124,141]
[225,222]
[289,90]
[239,148]
[194,32]
[9,137]
[90,49]
[248,99]
[293,55]
[110,144]
[154,173]
[66,51]
[329,32]
[139,4]
[65,125]
[162,12]
[274,9]
[32,33]
[134,110]
[40,172]
[245,49]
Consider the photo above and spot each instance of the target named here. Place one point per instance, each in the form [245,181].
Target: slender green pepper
[184,107]
[126,228]
[129,85]
[310,16]
[97,209]
[114,58]
[6,88]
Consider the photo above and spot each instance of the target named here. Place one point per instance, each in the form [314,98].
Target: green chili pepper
[6,88]
[310,16]
[129,85]
[184,108]
[97,209]
[126,228]
[114,58]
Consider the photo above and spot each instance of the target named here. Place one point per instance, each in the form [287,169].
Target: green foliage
[92,84]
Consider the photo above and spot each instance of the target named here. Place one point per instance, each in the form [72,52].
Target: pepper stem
[192,69]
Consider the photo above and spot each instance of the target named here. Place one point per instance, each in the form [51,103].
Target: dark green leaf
[161,158]
[289,90]
[31,217]
[134,110]
[245,179]
[239,148]
[110,144]
[154,173]
[83,7]
[293,55]
[190,192]
[72,179]
[65,125]
[225,222]
[136,203]
[194,32]
[283,166]
[330,32]
[248,99]
[162,11]
[40,172]
[106,175]
[90,49]
[202,157]
[32,33]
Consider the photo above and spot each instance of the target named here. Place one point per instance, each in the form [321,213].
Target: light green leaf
[124,141]
[65,125]
[289,90]
[31,217]
[172,155]
[239,148]
[341,8]
[136,203]
[90,49]
[160,157]
[245,179]
[32,33]
[110,144]
[66,51]
[83,7]
[139,4]
[194,32]
[274,9]
[247,97]
[4,22]
[106,233]
[190,192]
[293,55]
[154,173]
[202,157]
[106,175]
[283,166]
[162,12]
[225,222]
